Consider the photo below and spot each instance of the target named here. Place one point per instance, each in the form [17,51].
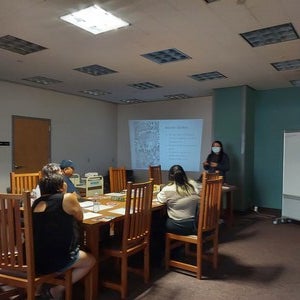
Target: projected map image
[146,143]
[165,143]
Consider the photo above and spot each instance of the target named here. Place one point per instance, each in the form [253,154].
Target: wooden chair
[20,183]
[207,230]
[135,237]
[17,267]
[155,173]
[117,179]
[210,176]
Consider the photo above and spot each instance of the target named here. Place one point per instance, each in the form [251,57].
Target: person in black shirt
[217,160]
[55,219]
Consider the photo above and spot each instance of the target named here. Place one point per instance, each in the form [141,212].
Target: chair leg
[88,285]
[124,270]
[146,264]
[199,261]
[30,290]
[215,252]
[167,253]
[69,285]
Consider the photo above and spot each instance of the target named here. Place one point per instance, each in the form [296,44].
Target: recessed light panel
[208,76]
[144,85]
[95,70]
[166,56]
[95,92]
[210,1]
[287,65]
[94,19]
[14,44]
[271,35]
[177,96]
[42,80]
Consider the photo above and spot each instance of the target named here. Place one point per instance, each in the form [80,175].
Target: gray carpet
[257,260]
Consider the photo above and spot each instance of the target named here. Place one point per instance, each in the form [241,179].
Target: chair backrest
[22,182]
[117,179]
[210,203]
[138,207]
[155,173]
[16,239]
[214,175]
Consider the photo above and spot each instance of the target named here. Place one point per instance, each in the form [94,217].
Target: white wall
[196,108]
[92,133]
[84,130]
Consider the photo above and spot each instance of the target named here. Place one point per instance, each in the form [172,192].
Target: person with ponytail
[182,197]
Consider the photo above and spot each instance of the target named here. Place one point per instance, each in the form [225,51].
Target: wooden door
[31,144]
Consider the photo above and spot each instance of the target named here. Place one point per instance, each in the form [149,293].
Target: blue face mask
[216,149]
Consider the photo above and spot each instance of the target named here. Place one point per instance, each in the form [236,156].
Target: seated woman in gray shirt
[182,197]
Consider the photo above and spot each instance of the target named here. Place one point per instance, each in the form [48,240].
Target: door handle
[18,167]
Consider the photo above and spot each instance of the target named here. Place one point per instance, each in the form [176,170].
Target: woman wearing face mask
[217,160]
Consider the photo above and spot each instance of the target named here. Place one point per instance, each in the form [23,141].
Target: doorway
[31,139]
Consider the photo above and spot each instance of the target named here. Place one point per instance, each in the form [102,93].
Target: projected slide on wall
[166,142]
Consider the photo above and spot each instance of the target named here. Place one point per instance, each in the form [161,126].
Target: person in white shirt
[182,197]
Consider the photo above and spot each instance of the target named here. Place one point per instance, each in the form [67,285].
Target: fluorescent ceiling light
[94,19]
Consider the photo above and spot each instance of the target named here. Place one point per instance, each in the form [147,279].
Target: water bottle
[96,204]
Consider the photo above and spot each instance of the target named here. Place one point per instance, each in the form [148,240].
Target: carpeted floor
[257,260]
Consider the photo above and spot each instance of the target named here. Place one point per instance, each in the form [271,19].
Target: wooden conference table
[112,211]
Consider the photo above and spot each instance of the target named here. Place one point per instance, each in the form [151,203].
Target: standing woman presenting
[217,160]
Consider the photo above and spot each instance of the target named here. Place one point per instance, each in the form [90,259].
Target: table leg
[92,244]
[229,208]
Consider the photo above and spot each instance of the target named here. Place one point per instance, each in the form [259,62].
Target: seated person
[182,197]
[47,170]
[55,216]
[68,168]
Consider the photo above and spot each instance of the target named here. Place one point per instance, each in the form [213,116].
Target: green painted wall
[251,125]
[233,124]
[276,110]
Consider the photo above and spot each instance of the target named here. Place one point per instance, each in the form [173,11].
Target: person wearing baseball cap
[68,168]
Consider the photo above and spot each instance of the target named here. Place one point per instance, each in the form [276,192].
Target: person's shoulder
[169,186]
[70,197]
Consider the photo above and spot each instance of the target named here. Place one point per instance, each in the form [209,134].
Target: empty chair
[155,173]
[207,230]
[117,179]
[135,236]
[22,182]
[16,248]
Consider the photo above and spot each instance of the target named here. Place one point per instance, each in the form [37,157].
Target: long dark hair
[178,177]
[220,155]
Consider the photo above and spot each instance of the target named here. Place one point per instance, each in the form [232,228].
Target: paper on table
[86,204]
[89,215]
[100,207]
[120,211]
[115,194]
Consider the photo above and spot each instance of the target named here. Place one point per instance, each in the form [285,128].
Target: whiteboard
[291,175]
[291,164]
